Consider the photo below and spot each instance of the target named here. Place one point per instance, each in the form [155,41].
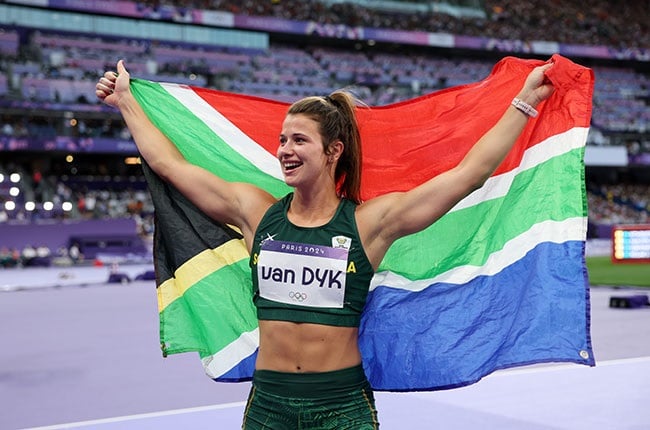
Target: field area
[603,272]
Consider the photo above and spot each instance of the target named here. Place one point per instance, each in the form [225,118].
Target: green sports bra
[317,275]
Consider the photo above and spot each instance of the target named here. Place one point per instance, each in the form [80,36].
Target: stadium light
[10,205]
[30,206]
[14,191]
[48,206]
[2,177]
[66,206]
[14,178]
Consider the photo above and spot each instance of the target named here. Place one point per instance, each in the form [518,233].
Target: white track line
[141,416]
[547,367]
[506,372]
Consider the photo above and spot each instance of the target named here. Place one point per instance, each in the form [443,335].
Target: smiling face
[301,152]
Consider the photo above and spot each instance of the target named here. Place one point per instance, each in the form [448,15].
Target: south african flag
[500,281]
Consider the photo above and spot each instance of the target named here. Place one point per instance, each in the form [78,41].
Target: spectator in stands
[28,254]
[5,257]
[43,251]
[75,253]
[9,257]
[319,153]
[7,129]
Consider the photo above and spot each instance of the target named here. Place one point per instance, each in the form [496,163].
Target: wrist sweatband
[524,107]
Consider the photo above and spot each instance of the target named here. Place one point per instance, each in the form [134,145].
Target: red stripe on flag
[407,143]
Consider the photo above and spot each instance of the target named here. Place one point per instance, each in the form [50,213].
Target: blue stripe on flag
[535,310]
[241,372]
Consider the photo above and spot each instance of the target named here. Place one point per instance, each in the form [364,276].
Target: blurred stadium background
[72,193]
[68,165]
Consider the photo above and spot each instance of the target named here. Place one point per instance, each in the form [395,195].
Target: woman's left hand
[537,86]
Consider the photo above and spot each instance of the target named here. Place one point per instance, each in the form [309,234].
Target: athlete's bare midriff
[304,347]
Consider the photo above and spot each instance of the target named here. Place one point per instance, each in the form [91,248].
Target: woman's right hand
[113,85]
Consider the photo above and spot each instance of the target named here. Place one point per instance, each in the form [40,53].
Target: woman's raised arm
[387,218]
[239,204]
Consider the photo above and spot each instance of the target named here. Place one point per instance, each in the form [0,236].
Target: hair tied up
[330,100]
[335,114]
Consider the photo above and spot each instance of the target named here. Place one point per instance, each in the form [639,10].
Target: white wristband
[524,107]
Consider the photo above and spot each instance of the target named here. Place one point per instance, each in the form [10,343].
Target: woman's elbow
[473,178]
[478,182]
[165,169]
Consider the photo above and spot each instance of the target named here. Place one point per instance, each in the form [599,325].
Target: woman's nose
[286,148]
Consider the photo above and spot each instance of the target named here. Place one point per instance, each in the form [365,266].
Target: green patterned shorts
[338,400]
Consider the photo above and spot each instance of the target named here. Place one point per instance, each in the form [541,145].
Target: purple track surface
[85,354]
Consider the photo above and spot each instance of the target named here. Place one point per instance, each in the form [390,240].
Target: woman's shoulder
[375,205]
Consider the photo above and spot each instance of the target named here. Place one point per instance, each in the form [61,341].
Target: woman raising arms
[308,370]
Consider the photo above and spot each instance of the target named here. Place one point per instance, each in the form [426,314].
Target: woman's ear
[335,150]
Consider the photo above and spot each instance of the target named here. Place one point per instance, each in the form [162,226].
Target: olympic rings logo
[298,296]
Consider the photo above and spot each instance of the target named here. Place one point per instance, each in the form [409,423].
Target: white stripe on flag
[226,130]
[232,354]
[498,186]
[571,229]
[494,187]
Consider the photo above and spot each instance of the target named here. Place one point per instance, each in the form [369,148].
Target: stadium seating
[56,71]
[67,74]
[568,21]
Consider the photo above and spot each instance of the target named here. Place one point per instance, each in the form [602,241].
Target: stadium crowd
[619,204]
[40,67]
[44,71]
[51,70]
[623,24]
[101,197]
[85,196]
